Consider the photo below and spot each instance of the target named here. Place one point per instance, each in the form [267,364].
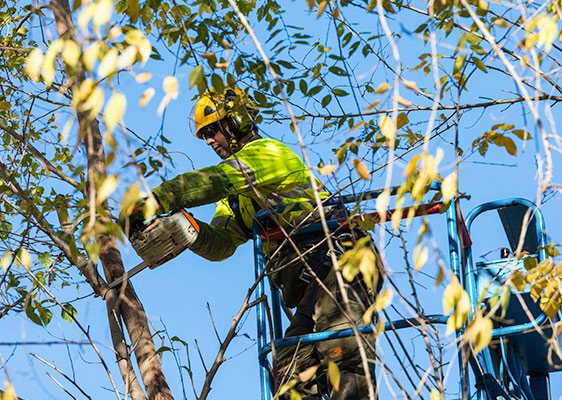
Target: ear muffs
[238,126]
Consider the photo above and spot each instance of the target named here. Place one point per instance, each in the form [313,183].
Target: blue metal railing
[460,264]
[264,348]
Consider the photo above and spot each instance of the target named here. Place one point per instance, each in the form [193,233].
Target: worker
[261,173]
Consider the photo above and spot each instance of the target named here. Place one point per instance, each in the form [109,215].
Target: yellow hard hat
[234,103]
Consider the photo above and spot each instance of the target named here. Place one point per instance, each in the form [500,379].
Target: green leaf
[339,92]
[510,146]
[479,64]
[30,312]
[5,229]
[306,206]
[522,134]
[529,263]
[402,120]
[315,90]
[133,10]
[45,314]
[326,100]
[163,349]
[459,63]
[337,71]
[195,76]
[68,312]
[303,86]
[217,83]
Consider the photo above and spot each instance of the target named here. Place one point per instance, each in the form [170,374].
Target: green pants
[317,312]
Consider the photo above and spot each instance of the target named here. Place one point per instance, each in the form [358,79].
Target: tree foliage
[384,82]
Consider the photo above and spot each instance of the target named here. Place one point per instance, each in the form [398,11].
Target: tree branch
[37,154]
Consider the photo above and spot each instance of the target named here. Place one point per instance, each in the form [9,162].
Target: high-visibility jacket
[263,171]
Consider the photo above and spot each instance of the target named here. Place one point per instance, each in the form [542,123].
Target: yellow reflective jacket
[263,171]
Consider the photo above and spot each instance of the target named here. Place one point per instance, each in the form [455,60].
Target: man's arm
[219,240]
[203,186]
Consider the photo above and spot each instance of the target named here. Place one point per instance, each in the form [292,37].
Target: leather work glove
[133,224]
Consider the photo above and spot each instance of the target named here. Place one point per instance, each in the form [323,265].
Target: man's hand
[134,223]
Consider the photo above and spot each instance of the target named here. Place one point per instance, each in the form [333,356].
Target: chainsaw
[163,239]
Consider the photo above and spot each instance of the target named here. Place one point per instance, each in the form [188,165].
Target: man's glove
[133,224]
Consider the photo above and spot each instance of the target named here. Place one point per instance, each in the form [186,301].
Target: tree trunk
[127,307]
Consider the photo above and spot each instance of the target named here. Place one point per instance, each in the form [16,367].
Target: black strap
[234,203]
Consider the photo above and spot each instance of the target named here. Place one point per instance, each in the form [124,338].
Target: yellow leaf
[9,392]
[6,259]
[107,187]
[146,96]
[388,128]
[132,195]
[142,44]
[308,373]
[295,395]
[411,85]
[114,110]
[368,316]
[450,294]
[421,254]
[383,299]
[403,101]
[480,332]
[90,55]
[102,13]
[321,7]
[114,33]
[170,86]
[449,187]
[108,63]
[85,89]
[547,31]
[71,52]
[435,395]
[395,218]
[362,169]
[150,207]
[285,388]
[367,266]
[33,64]
[86,15]
[163,105]
[412,165]
[143,77]
[327,169]
[373,105]
[334,375]
[25,259]
[383,87]
[49,62]
[94,102]
[382,203]
[127,58]
[455,298]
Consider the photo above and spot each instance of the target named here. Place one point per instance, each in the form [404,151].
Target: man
[259,173]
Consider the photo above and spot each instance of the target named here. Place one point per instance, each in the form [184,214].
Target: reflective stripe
[276,198]
[243,168]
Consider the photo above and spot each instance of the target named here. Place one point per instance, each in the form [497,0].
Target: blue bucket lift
[515,366]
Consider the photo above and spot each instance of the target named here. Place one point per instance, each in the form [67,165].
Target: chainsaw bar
[128,274]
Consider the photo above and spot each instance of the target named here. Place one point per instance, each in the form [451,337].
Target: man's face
[216,138]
